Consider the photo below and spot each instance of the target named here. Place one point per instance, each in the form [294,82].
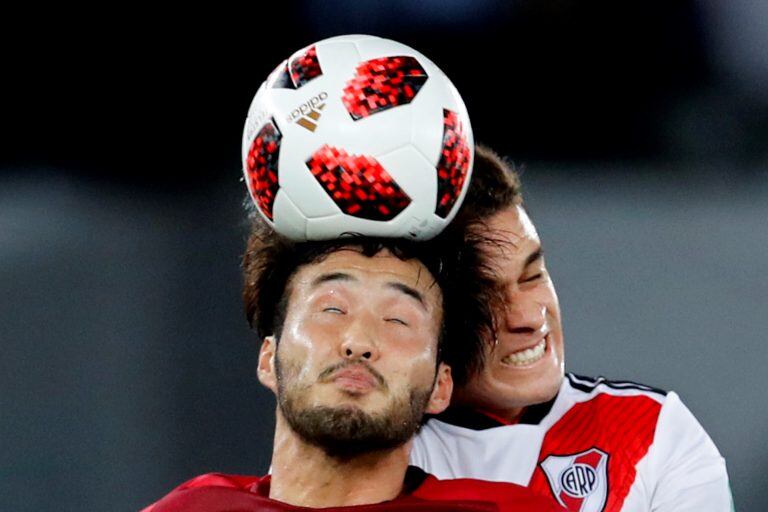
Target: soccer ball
[357,134]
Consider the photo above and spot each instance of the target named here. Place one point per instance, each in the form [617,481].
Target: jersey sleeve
[686,468]
[208,480]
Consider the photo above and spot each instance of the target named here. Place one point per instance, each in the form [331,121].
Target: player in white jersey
[589,444]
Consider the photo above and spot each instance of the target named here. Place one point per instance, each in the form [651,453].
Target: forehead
[379,269]
[517,235]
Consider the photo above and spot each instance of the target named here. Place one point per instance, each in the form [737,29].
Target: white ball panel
[289,221]
[461,110]
[348,38]
[333,226]
[427,134]
[338,58]
[380,133]
[254,101]
[294,176]
[417,227]
[415,175]
[435,226]
[376,47]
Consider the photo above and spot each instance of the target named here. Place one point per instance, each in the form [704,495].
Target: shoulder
[617,416]
[668,447]
[670,414]
[590,386]
[506,496]
[607,400]
[221,480]
[682,442]
[204,484]
[598,402]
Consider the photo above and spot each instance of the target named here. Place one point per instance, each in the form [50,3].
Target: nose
[359,341]
[522,314]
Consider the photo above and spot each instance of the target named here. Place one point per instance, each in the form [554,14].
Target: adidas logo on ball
[307,114]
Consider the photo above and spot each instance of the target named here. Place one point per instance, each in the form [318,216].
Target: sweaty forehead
[514,225]
[376,270]
[512,239]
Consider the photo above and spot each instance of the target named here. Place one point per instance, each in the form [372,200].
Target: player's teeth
[527,356]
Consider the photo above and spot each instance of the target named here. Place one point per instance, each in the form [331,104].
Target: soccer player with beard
[589,444]
[353,333]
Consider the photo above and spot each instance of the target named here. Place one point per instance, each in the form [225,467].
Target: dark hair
[270,260]
[495,186]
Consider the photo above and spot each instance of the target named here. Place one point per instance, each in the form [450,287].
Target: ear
[266,368]
[441,393]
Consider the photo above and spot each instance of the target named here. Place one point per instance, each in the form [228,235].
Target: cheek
[549,299]
[409,360]
[487,384]
[545,294]
[413,348]
[307,345]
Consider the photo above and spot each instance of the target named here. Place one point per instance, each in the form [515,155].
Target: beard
[346,431]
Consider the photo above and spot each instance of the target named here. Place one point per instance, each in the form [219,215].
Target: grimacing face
[355,367]
[524,365]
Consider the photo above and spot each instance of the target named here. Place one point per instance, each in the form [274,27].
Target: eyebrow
[407,290]
[535,255]
[394,285]
[332,276]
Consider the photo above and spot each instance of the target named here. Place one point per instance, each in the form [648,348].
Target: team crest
[579,482]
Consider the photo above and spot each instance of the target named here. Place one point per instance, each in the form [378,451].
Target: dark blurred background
[127,366]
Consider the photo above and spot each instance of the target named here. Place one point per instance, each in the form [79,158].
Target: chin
[520,392]
[542,394]
[543,388]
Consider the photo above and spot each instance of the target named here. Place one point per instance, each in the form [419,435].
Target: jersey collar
[477,420]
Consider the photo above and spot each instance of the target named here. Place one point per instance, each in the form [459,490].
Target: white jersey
[599,446]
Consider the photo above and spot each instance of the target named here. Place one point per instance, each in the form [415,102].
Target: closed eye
[532,278]
[396,321]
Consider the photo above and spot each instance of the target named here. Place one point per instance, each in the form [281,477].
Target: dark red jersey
[231,493]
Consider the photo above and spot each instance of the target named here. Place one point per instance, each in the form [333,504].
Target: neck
[466,400]
[304,475]
[506,416]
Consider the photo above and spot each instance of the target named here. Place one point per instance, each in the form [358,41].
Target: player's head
[351,334]
[523,360]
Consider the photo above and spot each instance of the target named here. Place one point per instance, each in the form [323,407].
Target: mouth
[528,356]
[354,378]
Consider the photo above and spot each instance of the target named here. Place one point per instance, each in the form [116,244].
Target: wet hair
[270,260]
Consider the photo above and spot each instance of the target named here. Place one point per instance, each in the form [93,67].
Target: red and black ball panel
[380,84]
[280,78]
[302,68]
[358,184]
[261,166]
[453,166]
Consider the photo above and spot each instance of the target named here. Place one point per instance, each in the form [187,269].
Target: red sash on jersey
[588,458]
